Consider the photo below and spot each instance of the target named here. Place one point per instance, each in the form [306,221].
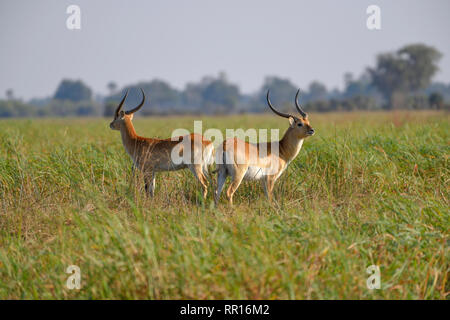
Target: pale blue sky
[181,41]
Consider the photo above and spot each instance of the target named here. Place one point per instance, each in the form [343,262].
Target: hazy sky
[181,41]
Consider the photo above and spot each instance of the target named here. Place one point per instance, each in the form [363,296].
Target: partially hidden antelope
[153,155]
[264,161]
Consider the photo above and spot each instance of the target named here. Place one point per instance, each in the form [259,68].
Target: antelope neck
[289,146]
[129,136]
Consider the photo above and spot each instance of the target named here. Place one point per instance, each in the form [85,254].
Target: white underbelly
[255,173]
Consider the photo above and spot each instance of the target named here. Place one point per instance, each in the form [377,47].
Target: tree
[212,95]
[348,78]
[361,87]
[73,90]
[436,101]
[439,87]
[112,87]
[220,93]
[160,95]
[317,91]
[407,70]
[9,94]
[16,108]
[192,96]
[282,94]
[64,108]
[109,109]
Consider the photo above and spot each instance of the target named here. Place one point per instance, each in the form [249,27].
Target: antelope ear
[291,121]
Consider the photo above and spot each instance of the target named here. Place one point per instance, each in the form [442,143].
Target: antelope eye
[300,124]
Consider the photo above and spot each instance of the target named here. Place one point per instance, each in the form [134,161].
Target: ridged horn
[303,113]
[116,113]
[281,114]
[139,106]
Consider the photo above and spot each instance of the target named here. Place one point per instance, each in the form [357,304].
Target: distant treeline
[399,80]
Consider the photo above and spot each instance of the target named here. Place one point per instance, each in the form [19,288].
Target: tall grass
[367,189]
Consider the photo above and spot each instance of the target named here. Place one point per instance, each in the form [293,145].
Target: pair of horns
[132,110]
[286,115]
[281,114]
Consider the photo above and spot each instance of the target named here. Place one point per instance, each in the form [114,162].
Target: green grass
[368,188]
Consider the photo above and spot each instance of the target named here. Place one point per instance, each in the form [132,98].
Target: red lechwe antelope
[262,161]
[153,155]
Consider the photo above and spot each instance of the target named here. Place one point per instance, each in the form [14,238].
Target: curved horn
[303,113]
[281,114]
[116,113]
[139,106]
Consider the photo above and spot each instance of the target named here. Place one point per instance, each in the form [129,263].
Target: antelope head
[121,116]
[299,126]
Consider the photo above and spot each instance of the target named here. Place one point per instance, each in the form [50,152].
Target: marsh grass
[368,188]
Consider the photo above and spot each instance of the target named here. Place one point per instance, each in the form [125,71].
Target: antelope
[262,161]
[153,155]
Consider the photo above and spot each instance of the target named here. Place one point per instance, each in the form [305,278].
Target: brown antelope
[262,161]
[153,155]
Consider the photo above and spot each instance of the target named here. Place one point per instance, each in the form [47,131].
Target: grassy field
[367,189]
